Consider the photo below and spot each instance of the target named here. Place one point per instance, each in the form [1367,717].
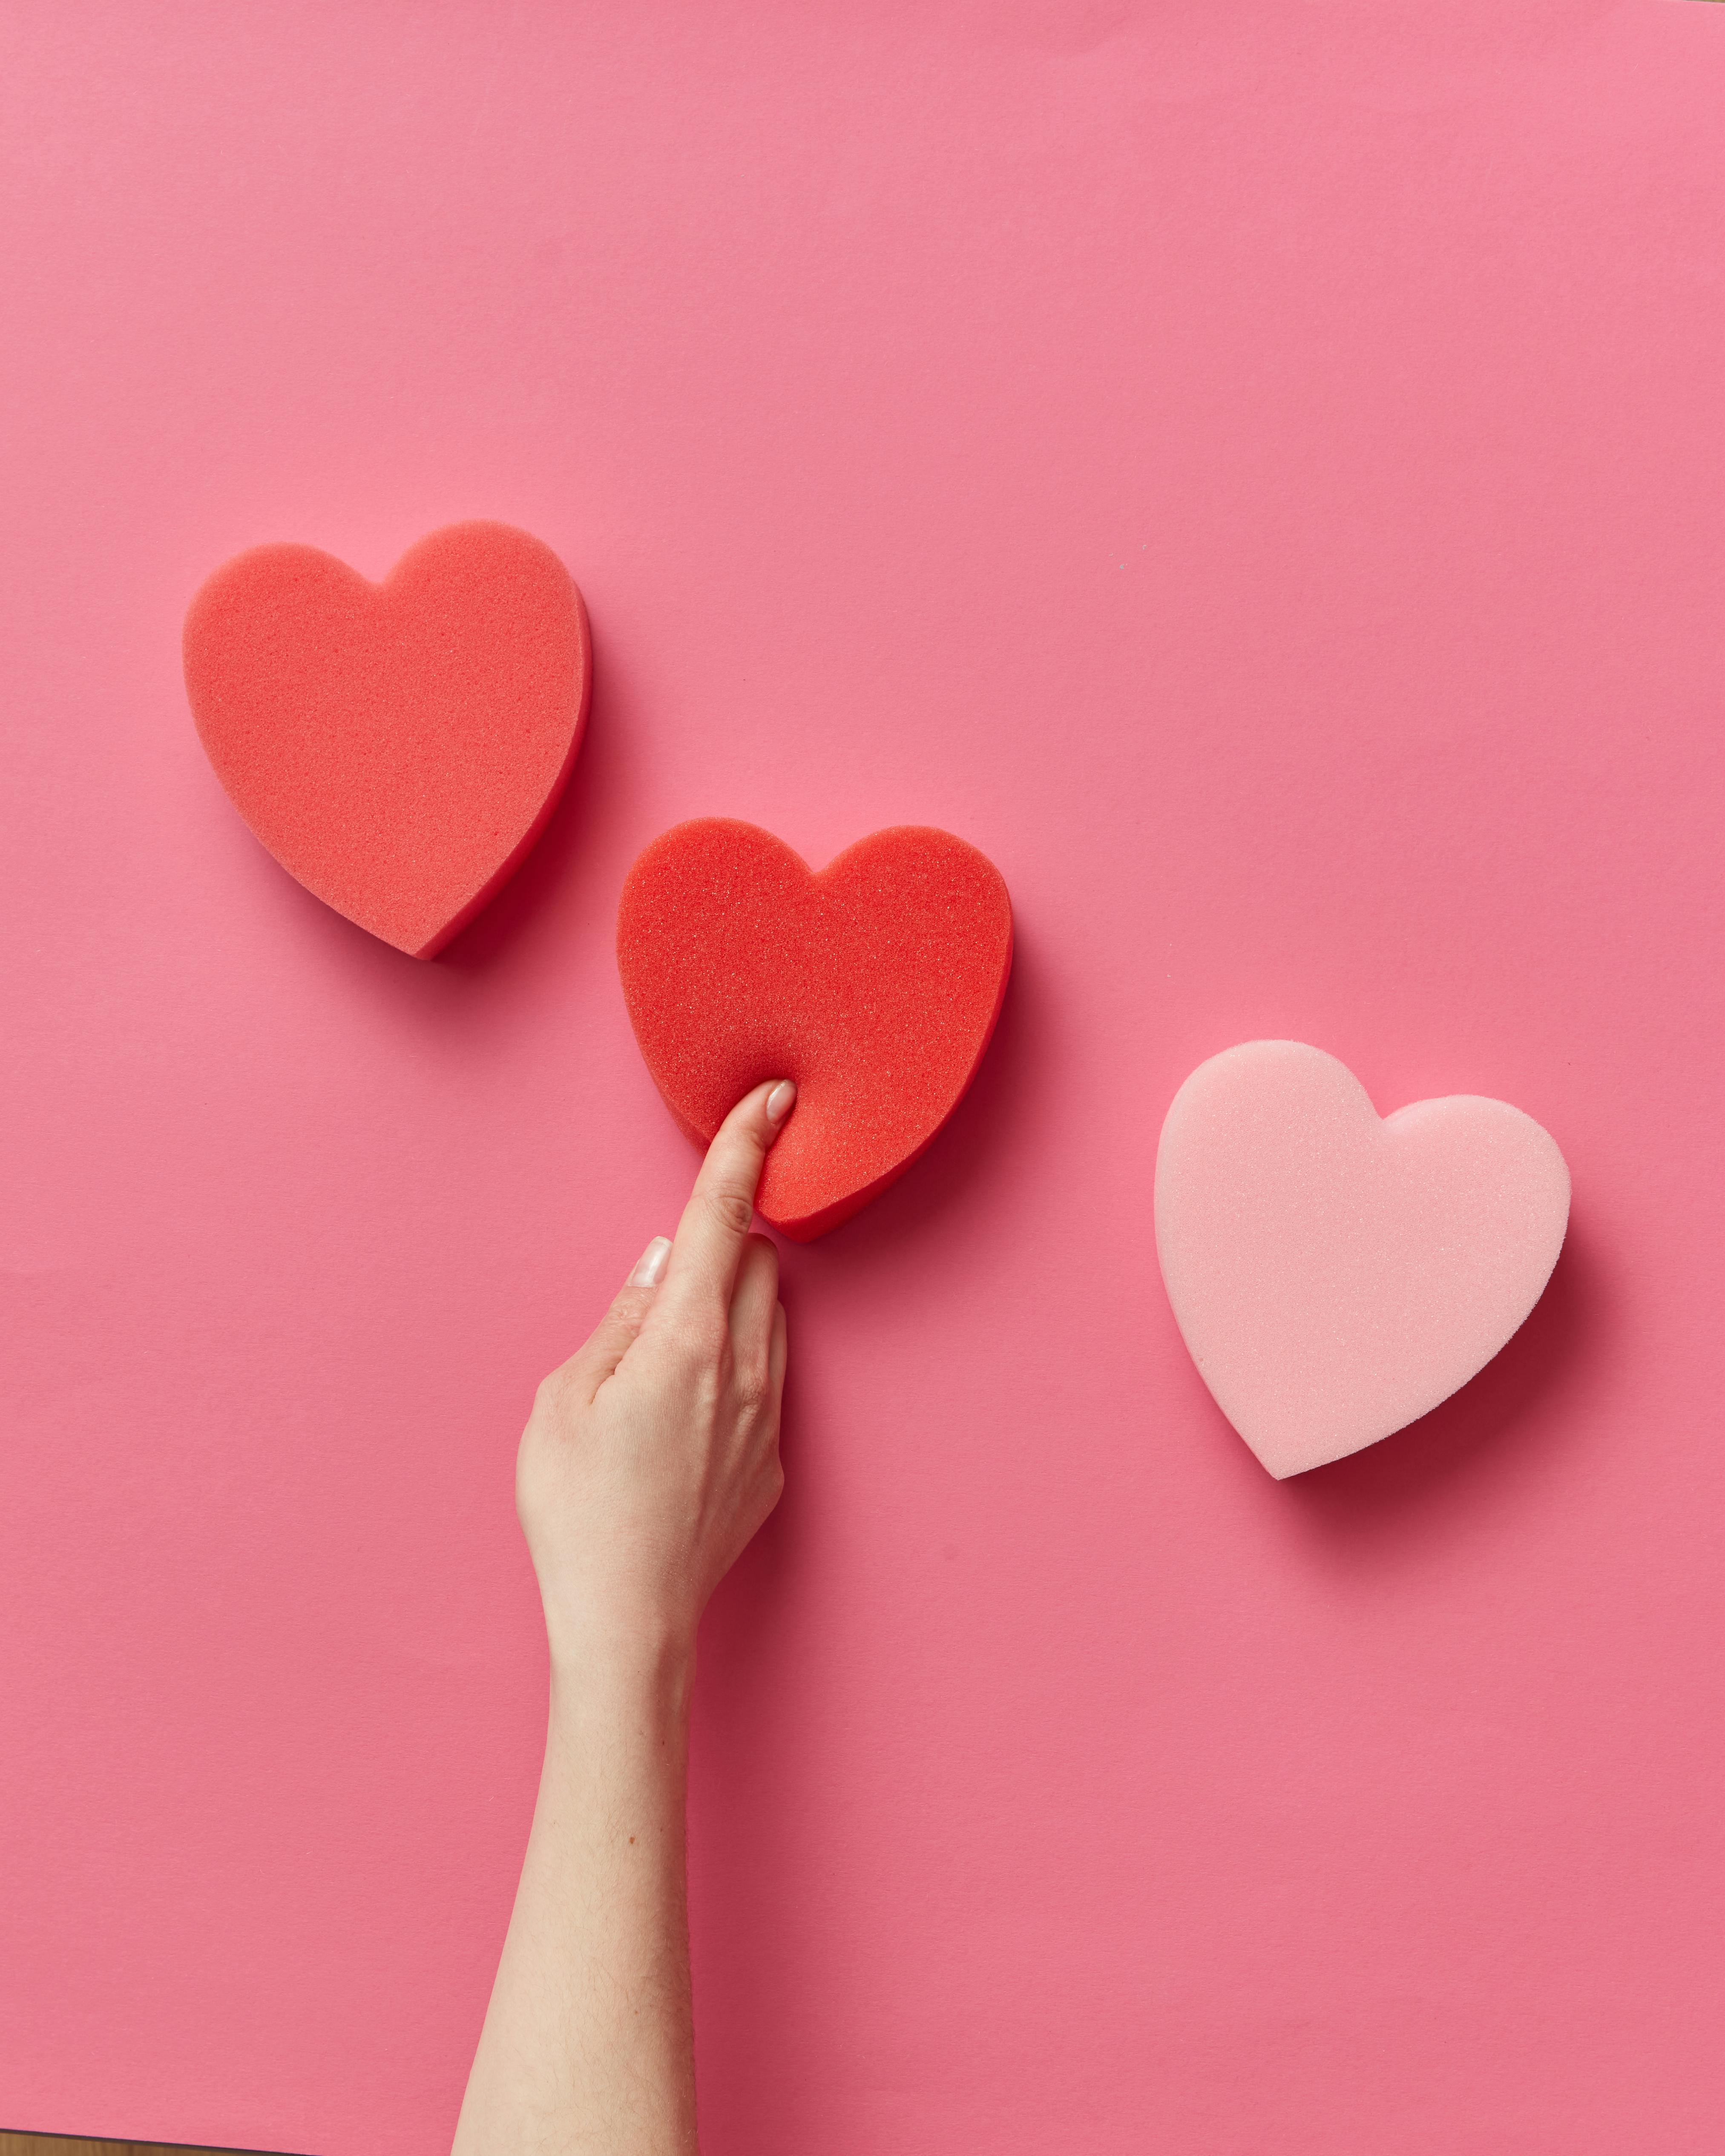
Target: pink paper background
[1258,471]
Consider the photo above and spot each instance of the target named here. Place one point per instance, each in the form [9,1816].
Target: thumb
[612,1337]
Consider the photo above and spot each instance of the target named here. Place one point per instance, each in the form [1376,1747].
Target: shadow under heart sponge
[398,747]
[875,984]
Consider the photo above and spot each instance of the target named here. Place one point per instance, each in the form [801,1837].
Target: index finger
[715,1221]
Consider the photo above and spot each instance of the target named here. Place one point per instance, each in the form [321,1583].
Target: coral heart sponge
[875,984]
[398,747]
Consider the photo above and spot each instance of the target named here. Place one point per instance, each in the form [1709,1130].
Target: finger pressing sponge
[398,747]
[875,984]
[1336,1275]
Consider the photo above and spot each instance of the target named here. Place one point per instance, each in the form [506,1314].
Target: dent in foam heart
[1335,1275]
[398,747]
[875,984]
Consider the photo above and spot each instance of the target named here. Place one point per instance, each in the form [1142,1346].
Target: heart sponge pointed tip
[398,747]
[875,984]
[1334,1276]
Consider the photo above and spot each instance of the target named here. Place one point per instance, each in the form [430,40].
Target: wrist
[647,1661]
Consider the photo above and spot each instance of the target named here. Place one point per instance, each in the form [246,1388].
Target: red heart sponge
[398,747]
[875,984]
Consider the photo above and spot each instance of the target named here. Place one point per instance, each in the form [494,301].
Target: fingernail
[781,1101]
[650,1271]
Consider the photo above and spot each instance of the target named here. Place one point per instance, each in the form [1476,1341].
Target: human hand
[651,1457]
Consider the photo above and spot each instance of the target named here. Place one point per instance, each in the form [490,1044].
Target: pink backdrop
[1257,470]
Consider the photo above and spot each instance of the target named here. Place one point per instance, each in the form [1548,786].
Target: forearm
[588,2043]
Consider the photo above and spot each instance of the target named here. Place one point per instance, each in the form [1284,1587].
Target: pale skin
[650,1460]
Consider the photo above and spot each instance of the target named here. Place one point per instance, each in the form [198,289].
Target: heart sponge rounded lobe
[875,984]
[398,747]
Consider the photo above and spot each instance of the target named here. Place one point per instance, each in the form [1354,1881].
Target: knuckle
[752,1388]
[701,1339]
[729,1209]
[554,1404]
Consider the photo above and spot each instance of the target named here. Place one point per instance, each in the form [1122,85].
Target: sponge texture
[1335,1275]
[398,748]
[875,984]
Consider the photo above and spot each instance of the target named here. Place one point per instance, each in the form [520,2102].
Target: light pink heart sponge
[1335,1275]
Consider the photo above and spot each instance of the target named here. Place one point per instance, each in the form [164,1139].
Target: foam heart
[875,984]
[1335,1277]
[398,747]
